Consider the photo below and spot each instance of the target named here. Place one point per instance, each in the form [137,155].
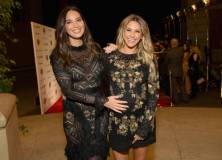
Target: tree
[6,27]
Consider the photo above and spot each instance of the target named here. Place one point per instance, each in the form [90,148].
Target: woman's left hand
[110,47]
[137,138]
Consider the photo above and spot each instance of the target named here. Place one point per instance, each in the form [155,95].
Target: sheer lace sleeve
[65,82]
[104,58]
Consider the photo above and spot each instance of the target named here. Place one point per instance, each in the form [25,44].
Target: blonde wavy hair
[145,47]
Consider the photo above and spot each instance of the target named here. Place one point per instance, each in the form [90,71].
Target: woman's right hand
[115,104]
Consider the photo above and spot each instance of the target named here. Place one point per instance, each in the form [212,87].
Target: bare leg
[119,156]
[140,153]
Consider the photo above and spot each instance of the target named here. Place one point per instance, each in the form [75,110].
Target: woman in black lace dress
[132,69]
[78,70]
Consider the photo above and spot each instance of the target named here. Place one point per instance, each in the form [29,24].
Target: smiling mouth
[76,31]
[131,40]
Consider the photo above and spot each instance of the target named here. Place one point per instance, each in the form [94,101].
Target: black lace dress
[137,83]
[85,119]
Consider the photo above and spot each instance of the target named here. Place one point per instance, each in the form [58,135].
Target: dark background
[104,16]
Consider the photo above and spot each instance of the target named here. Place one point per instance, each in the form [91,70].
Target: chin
[131,46]
[79,36]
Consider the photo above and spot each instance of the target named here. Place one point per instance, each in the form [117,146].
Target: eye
[68,21]
[79,20]
[128,29]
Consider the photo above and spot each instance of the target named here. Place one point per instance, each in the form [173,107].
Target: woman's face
[132,34]
[74,25]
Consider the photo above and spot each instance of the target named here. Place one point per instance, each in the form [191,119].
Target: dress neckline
[79,48]
[125,54]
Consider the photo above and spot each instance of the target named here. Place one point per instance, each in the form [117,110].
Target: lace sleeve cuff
[100,100]
[147,124]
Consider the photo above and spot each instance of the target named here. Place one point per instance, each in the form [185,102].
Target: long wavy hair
[145,47]
[62,48]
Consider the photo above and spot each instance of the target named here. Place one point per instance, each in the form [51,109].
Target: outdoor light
[206,2]
[185,11]
[171,16]
[178,13]
[194,7]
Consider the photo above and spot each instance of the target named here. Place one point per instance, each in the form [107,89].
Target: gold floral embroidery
[124,124]
[129,75]
[133,124]
[126,78]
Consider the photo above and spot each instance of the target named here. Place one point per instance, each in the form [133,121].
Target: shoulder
[114,53]
[53,55]
[109,55]
[54,58]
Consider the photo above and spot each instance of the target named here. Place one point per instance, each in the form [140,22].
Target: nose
[74,23]
[132,34]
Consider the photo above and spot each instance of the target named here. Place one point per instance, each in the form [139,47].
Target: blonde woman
[133,75]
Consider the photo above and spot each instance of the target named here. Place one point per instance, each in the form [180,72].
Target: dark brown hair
[62,49]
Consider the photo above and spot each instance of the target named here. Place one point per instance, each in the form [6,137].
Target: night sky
[104,16]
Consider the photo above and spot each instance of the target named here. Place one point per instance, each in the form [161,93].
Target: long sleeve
[103,57]
[153,94]
[68,86]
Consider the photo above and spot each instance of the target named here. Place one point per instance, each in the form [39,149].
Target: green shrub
[6,27]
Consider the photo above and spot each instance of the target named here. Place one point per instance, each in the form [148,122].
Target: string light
[194,7]
[171,16]
[206,2]
[178,13]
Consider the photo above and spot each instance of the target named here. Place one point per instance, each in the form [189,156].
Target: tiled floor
[182,134]
[191,131]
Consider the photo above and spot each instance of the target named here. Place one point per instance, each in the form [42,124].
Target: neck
[127,50]
[76,42]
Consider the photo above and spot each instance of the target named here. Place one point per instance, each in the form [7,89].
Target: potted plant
[6,27]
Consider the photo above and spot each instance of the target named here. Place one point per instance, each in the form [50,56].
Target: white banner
[43,42]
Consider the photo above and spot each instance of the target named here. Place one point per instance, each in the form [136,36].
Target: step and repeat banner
[43,43]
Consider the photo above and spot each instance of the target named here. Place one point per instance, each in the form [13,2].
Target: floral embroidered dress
[137,83]
[85,119]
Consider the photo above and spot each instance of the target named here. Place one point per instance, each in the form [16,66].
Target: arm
[150,110]
[114,103]
[65,83]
